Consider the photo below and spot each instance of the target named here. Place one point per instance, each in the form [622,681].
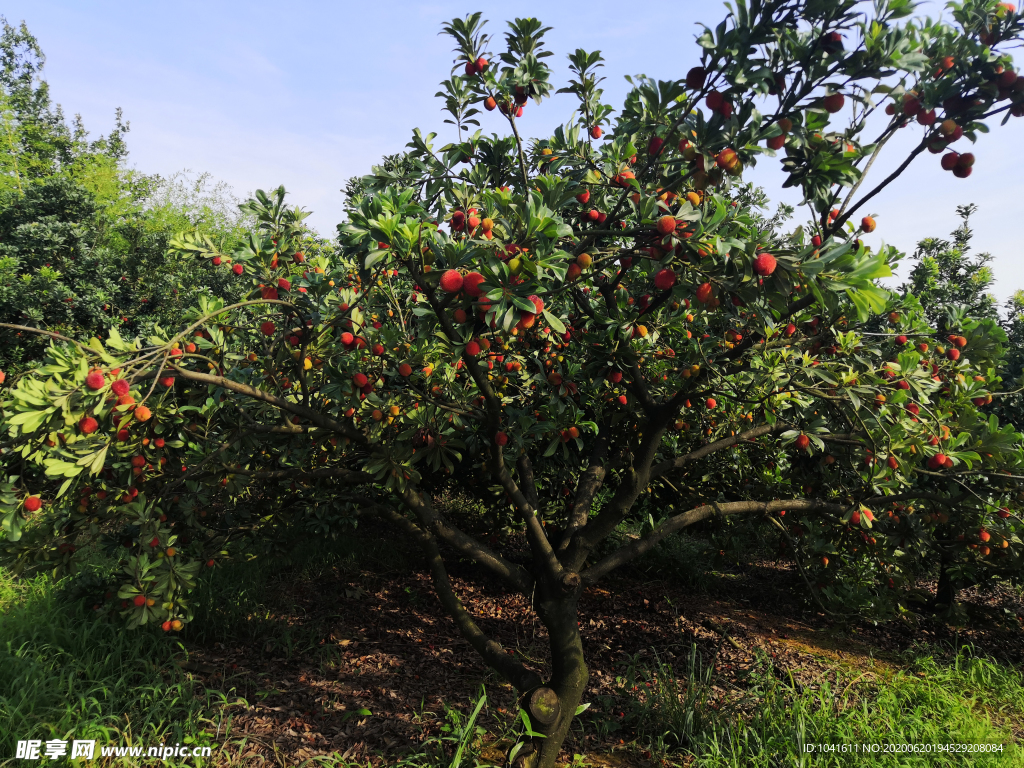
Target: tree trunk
[945,594]
[553,707]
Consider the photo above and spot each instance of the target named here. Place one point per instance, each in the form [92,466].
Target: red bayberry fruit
[764,264]
[32,504]
[666,225]
[95,380]
[833,102]
[471,283]
[268,328]
[451,281]
[665,279]
[695,78]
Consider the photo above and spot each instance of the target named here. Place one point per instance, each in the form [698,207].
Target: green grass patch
[68,673]
[966,700]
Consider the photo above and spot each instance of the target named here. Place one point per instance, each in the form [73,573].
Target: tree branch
[718,445]
[645,543]
[258,394]
[513,575]
[492,653]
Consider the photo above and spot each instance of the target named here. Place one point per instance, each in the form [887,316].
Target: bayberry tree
[566,328]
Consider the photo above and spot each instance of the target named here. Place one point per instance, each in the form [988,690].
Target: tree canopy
[571,330]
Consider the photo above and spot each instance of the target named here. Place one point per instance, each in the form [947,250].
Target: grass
[967,700]
[66,674]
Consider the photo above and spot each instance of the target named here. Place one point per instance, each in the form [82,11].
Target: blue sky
[307,94]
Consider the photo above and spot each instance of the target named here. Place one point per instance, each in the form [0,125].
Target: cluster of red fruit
[120,388]
[469,221]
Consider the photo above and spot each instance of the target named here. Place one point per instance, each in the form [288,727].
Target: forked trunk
[553,707]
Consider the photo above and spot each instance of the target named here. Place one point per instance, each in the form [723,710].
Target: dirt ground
[385,647]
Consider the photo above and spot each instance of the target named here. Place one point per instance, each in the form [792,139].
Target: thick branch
[634,480]
[513,575]
[589,484]
[718,445]
[645,543]
[493,654]
[258,394]
[337,473]
[528,481]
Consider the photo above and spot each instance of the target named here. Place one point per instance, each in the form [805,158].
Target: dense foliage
[565,329]
[83,238]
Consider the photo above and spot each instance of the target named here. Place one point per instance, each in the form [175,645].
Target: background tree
[83,238]
[562,328]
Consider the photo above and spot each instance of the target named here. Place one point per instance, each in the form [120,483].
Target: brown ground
[385,647]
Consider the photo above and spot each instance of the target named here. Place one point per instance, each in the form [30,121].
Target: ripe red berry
[953,354]
[501,439]
[473,349]
[95,380]
[583,197]
[405,370]
[471,284]
[360,380]
[666,225]
[139,600]
[595,132]
[119,387]
[615,377]
[268,328]
[802,441]
[833,102]
[901,339]
[451,281]
[711,403]
[867,224]
[665,279]
[704,292]
[33,503]
[284,284]
[695,78]
[88,425]
[764,264]
[238,269]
